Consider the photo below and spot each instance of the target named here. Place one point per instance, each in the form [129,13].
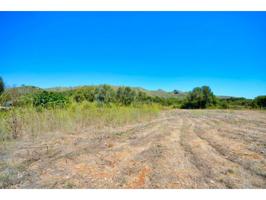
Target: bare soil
[178,149]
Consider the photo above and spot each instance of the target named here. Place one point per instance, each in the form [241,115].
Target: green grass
[29,121]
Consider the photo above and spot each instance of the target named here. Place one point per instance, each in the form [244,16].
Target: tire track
[253,141]
[214,165]
[172,169]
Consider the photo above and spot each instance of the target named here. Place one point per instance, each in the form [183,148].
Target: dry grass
[175,149]
[28,122]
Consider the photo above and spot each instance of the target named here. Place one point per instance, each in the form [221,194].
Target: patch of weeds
[69,185]
[4,181]
[11,175]
[227,184]
[120,134]
[230,171]
[196,113]
[8,178]
[154,152]
[158,149]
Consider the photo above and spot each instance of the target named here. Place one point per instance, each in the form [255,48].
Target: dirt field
[179,149]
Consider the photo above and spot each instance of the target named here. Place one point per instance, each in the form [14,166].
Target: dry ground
[179,149]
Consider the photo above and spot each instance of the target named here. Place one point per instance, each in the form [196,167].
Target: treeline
[203,97]
[102,95]
[198,98]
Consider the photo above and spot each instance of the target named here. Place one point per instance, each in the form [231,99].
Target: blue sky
[166,50]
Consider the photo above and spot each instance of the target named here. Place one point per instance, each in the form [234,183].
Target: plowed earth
[178,149]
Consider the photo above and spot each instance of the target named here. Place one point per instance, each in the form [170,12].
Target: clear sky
[166,50]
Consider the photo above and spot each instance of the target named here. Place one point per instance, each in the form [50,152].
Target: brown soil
[179,149]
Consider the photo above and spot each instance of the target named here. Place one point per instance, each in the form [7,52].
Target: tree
[176,92]
[209,98]
[125,95]
[2,86]
[260,101]
[200,97]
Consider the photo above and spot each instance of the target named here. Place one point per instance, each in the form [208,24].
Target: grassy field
[130,147]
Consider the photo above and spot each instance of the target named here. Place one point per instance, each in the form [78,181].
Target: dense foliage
[235,103]
[49,100]
[83,94]
[200,97]
[260,102]
[125,95]
[2,86]
[104,94]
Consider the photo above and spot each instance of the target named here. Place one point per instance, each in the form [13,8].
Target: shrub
[223,104]
[125,95]
[104,94]
[235,103]
[49,100]
[85,93]
[141,97]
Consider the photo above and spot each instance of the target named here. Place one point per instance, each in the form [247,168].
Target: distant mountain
[22,90]
[61,89]
[163,93]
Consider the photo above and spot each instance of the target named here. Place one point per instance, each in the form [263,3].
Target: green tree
[209,98]
[260,101]
[200,97]
[176,92]
[2,86]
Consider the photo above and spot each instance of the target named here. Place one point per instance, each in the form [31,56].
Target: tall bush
[125,95]
[104,94]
